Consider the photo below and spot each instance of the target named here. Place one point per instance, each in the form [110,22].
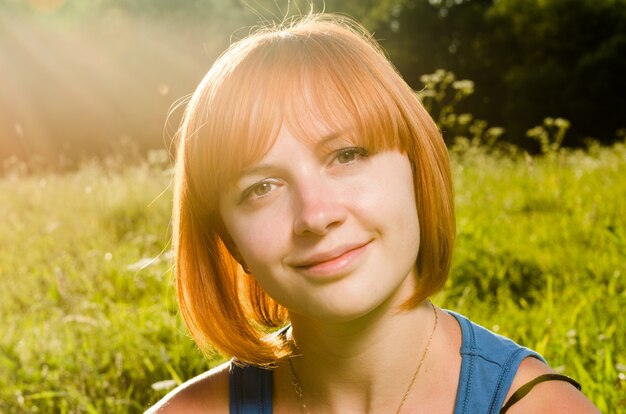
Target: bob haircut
[318,72]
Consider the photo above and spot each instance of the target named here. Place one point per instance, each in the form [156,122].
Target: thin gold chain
[298,388]
[300,392]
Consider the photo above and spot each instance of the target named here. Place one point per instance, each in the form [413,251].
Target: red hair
[322,70]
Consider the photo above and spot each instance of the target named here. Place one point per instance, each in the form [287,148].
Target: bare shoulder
[548,396]
[206,393]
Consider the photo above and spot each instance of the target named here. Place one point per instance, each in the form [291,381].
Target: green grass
[88,314]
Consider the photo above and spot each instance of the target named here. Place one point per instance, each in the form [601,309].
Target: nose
[318,207]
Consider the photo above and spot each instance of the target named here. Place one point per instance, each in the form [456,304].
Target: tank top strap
[250,389]
[489,364]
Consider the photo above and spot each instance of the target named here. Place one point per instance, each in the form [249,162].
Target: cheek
[407,208]
[260,238]
[395,199]
[389,189]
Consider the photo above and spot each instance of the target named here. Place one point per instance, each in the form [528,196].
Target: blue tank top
[488,366]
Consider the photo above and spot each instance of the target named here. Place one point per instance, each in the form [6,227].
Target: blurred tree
[529,58]
[562,58]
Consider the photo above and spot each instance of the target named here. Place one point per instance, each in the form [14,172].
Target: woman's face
[329,230]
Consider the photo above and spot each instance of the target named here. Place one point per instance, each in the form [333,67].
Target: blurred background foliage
[88,315]
[79,79]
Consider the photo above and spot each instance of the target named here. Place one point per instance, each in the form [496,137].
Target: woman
[313,193]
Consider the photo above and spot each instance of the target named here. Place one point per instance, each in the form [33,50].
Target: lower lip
[337,266]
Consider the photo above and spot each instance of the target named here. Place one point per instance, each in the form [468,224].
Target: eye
[258,190]
[261,189]
[349,155]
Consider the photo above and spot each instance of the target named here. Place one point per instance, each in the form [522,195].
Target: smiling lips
[334,261]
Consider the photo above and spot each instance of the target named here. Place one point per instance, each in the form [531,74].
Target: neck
[361,364]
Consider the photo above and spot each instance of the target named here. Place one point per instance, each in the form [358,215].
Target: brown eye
[261,189]
[348,155]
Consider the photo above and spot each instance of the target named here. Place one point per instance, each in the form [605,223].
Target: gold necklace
[300,392]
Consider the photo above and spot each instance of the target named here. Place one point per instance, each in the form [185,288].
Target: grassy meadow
[88,319]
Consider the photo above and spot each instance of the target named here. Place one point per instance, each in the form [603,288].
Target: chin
[344,311]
